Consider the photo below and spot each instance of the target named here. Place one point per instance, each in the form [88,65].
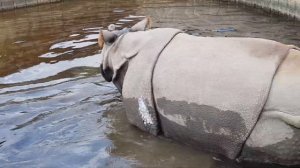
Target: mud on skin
[135,115]
[200,128]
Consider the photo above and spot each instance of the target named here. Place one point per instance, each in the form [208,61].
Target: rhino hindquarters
[276,136]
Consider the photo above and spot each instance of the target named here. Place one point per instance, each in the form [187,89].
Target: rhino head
[118,47]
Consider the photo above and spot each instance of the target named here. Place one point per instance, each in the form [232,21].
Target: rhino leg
[273,140]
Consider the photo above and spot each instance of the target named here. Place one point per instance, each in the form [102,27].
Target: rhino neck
[120,52]
[119,79]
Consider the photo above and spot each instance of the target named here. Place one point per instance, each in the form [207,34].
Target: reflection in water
[55,108]
[134,144]
[44,70]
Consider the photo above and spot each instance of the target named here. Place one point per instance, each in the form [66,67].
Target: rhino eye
[112,40]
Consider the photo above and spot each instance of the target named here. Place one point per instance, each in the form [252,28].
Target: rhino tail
[294,47]
[287,118]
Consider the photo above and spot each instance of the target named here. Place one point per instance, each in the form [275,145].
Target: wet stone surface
[55,108]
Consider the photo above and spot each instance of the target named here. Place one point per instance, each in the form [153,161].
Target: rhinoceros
[238,97]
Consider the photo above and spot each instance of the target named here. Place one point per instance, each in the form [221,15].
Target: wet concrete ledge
[287,7]
[13,4]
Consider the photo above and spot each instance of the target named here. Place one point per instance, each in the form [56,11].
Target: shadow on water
[55,108]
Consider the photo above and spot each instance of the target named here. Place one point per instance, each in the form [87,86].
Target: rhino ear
[101,39]
[142,25]
[106,37]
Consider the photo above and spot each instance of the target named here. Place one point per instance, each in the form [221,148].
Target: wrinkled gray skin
[276,135]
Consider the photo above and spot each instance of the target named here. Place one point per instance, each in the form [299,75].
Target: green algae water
[57,111]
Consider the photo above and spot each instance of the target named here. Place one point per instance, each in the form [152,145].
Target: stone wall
[288,7]
[11,4]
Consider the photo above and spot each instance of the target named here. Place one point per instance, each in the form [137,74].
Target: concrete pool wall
[287,7]
[12,4]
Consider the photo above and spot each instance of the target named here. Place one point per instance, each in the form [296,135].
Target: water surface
[55,108]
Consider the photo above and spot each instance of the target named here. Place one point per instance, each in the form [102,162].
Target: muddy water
[55,108]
